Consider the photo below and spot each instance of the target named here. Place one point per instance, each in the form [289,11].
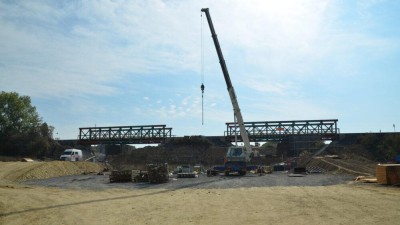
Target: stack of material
[365,179]
[140,176]
[388,174]
[267,169]
[187,175]
[212,172]
[262,170]
[121,176]
[158,173]
[186,171]
[26,160]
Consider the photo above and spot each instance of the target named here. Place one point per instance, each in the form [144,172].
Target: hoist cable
[202,69]
[202,49]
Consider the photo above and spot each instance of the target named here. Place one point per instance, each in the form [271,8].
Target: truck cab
[72,154]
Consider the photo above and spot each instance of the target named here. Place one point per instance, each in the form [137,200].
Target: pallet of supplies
[140,176]
[158,173]
[121,176]
[388,174]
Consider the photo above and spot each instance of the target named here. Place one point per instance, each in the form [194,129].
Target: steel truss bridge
[145,134]
[257,132]
[282,130]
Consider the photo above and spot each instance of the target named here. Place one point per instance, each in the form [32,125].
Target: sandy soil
[336,204]
[20,171]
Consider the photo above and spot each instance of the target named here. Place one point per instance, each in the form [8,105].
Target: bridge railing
[278,130]
[125,134]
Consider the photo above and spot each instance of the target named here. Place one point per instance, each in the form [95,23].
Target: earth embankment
[21,171]
[191,201]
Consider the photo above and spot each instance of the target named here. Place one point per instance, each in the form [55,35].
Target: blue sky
[111,63]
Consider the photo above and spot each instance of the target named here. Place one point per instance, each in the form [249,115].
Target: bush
[383,146]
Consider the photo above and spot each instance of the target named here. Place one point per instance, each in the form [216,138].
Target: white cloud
[97,43]
[91,45]
[264,85]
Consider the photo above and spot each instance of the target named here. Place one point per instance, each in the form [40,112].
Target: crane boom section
[229,85]
[218,48]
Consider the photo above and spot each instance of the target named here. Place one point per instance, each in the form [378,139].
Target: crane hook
[202,103]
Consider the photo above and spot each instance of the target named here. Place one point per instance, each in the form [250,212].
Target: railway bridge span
[257,132]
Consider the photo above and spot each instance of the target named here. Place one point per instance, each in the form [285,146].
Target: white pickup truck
[72,155]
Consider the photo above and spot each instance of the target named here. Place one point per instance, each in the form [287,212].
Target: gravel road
[101,182]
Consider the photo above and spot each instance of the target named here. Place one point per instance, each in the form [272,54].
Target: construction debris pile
[158,173]
[155,174]
[121,176]
[139,176]
[187,171]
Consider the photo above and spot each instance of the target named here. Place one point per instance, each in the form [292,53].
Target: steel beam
[124,134]
[280,130]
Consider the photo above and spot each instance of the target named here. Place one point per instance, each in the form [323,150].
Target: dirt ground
[348,203]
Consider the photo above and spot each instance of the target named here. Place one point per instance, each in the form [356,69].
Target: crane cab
[236,153]
[235,160]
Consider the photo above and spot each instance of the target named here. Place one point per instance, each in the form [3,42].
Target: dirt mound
[20,171]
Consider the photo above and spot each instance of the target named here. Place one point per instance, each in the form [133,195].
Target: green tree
[370,141]
[389,147]
[383,147]
[21,129]
[17,115]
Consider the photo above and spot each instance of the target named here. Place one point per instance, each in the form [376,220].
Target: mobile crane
[237,157]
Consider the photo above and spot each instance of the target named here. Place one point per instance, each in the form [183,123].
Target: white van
[72,155]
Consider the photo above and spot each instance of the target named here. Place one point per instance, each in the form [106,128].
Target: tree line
[383,147]
[22,131]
